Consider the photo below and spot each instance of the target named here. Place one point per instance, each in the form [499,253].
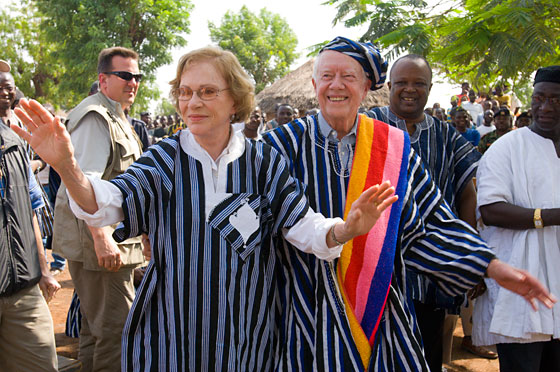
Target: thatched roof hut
[296,89]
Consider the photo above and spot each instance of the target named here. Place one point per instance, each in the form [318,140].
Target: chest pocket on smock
[240,220]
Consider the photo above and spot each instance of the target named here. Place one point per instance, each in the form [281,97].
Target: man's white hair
[316,66]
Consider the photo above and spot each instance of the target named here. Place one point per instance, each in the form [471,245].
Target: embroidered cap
[549,74]
[367,55]
[4,66]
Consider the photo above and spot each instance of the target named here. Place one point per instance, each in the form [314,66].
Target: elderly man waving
[354,314]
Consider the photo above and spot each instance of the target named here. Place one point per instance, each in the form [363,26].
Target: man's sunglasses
[125,75]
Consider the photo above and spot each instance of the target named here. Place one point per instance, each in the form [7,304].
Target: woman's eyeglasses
[125,75]
[205,93]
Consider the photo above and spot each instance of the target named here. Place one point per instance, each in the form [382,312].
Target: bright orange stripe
[356,184]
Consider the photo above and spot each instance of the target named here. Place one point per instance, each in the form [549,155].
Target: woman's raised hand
[45,133]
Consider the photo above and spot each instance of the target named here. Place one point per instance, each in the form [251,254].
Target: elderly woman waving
[212,203]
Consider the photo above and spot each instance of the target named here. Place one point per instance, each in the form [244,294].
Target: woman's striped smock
[314,330]
[206,298]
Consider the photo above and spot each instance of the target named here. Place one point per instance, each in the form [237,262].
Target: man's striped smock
[314,331]
[452,162]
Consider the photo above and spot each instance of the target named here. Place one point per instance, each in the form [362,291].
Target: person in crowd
[436,106]
[450,111]
[161,130]
[284,114]
[328,321]
[94,88]
[26,329]
[503,124]
[451,161]
[524,119]
[503,99]
[439,114]
[495,106]
[311,112]
[101,268]
[146,117]
[463,126]
[176,126]
[486,105]
[473,108]
[212,207]
[428,111]
[140,128]
[464,95]
[254,127]
[488,123]
[520,210]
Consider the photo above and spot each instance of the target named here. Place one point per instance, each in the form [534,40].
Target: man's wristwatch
[537,220]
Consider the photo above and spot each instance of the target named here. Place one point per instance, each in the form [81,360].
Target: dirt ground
[462,361]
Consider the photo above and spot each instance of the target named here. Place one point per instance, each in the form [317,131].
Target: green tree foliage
[24,46]
[480,41]
[79,29]
[165,107]
[264,43]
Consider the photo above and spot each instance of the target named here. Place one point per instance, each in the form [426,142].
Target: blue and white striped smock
[452,162]
[314,330]
[206,300]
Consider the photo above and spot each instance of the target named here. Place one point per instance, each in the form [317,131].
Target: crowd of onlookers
[105,266]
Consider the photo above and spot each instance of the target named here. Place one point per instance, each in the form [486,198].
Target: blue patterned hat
[367,55]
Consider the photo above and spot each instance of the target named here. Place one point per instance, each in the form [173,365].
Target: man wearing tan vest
[101,269]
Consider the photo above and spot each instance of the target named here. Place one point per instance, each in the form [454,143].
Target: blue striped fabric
[452,162]
[314,331]
[366,54]
[73,318]
[206,299]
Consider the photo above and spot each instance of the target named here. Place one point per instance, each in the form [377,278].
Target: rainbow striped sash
[365,266]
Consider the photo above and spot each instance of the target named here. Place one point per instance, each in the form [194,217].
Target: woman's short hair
[239,83]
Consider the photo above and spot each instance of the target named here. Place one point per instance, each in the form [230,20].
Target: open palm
[45,133]
[367,209]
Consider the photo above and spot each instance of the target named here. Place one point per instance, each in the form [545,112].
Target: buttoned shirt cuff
[309,235]
[109,203]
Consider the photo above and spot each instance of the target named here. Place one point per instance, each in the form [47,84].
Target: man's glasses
[205,93]
[125,75]
[554,101]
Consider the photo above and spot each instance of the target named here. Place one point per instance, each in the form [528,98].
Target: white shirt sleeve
[92,144]
[109,201]
[309,235]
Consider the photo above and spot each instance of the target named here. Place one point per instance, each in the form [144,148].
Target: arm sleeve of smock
[109,203]
[434,241]
[145,187]
[309,235]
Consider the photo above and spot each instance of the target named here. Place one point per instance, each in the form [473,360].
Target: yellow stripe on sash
[362,157]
